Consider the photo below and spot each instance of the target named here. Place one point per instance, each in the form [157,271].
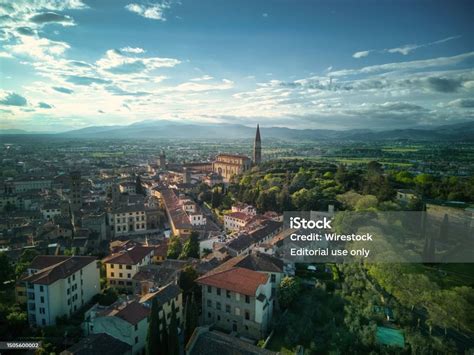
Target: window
[209,303]
[41,288]
[209,314]
[227,308]
[68,291]
[129,283]
[218,291]
[112,274]
[218,306]
[129,276]
[247,299]
[43,321]
[273,278]
[136,340]
[227,293]
[111,266]
[120,266]
[237,296]
[120,275]
[129,267]
[42,299]
[136,326]
[247,315]
[209,289]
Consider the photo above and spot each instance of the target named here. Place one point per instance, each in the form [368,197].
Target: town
[128,251]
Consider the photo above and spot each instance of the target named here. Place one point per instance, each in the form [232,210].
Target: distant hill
[185,130]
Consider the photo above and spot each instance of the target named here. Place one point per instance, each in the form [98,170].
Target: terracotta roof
[44,261]
[236,279]
[163,295]
[256,262]
[60,270]
[131,312]
[131,256]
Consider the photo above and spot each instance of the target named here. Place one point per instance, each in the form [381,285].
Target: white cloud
[361,54]
[265,14]
[135,50]
[115,62]
[225,84]
[416,64]
[151,11]
[405,49]
[202,78]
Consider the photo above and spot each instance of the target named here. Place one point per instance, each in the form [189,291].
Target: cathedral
[227,165]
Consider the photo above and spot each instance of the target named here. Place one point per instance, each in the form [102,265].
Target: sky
[69,64]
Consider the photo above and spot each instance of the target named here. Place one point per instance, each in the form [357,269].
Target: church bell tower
[257,148]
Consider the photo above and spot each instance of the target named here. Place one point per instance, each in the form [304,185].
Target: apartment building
[127,219]
[237,300]
[126,321]
[58,286]
[122,266]
[235,221]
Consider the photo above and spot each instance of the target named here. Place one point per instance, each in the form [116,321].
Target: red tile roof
[132,256]
[236,279]
[44,261]
[61,270]
[131,312]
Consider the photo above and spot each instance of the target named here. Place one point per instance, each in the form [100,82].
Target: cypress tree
[153,336]
[164,336]
[173,342]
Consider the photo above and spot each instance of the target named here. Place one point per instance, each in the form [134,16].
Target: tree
[174,247]
[25,260]
[191,247]
[6,271]
[186,279]
[191,317]
[153,340]
[173,342]
[164,335]
[289,289]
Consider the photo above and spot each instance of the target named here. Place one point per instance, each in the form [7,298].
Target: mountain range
[186,130]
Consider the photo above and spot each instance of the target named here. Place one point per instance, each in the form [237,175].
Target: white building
[126,321]
[236,220]
[58,286]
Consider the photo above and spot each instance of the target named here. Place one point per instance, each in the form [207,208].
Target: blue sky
[69,64]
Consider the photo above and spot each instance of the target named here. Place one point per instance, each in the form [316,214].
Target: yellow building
[228,165]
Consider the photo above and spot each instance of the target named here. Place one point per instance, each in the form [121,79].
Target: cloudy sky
[69,64]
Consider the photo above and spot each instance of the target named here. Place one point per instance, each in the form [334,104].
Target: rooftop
[235,279]
[60,270]
[130,256]
[98,344]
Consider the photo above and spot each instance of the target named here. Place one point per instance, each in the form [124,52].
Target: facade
[228,165]
[29,183]
[237,300]
[49,210]
[127,219]
[257,148]
[75,196]
[236,220]
[121,267]
[126,321]
[59,286]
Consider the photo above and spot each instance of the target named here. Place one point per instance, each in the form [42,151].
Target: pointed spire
[257,135]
